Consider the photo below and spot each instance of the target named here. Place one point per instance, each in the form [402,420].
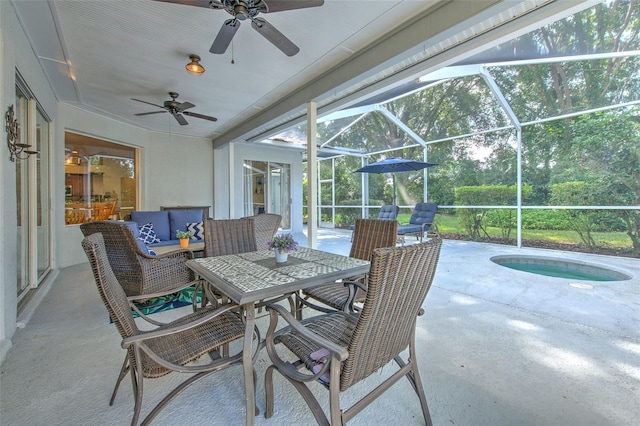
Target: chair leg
[304,391]
[255,380]
[194,302]
[293,304]
[414,377]
[123,372]
[182,386]
[268,390]
[334,400]
[136,379]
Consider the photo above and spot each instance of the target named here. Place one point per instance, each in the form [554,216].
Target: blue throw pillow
[198,230]
[147,235]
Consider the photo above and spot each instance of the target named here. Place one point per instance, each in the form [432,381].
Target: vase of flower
[282,256]
[282,244]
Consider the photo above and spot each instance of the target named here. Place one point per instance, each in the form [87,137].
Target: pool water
[554,271]
[560,268]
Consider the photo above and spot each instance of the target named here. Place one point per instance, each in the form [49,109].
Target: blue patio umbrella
[392,165]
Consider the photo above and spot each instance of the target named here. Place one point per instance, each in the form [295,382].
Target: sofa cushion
[147,234]
[178,220]
[410,229]
[160,220]
[197,229]
[423,213]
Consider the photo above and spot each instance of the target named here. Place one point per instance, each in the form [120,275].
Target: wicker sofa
[165,223]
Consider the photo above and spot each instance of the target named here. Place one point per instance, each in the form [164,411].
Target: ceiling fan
[249,9]
[176,109]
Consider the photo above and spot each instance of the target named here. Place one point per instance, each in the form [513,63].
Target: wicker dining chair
[357,345]
[229,236]
[266,225]
[171,347]
[386,212]
[222,237]
[139,273]
[368,235]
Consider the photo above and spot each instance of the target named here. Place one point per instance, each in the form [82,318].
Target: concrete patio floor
[496,347]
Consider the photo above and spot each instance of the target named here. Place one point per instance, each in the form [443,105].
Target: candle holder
[17,151]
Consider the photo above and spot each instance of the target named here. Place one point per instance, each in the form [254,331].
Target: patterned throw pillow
[147,234]
[198,230]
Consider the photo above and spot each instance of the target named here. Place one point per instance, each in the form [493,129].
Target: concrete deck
[496,347]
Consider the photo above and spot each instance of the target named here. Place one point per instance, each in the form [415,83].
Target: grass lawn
[450,225]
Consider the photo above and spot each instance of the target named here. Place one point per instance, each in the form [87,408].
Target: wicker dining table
[251,277]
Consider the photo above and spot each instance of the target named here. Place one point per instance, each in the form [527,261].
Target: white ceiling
[100,54]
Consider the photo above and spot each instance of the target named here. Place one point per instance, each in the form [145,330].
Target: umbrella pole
[393,179]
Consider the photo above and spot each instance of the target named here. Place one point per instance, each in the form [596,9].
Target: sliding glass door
[280,192]
[267,189]
[33,194]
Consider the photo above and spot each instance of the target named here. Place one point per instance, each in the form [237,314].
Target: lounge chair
[420,222]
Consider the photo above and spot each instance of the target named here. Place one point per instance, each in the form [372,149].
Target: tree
[608,145]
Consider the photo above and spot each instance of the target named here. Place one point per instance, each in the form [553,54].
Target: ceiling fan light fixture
[194,67]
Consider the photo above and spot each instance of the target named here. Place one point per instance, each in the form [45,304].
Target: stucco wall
[16,55]
[174,170]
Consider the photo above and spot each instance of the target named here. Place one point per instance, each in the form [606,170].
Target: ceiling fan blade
[196,115]
[225,35]
[145,102]
[279,5]
[199,3]
[149,113]
[180,119]
[185,105]
[278,39]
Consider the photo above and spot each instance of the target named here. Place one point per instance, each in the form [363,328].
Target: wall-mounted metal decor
[16,150]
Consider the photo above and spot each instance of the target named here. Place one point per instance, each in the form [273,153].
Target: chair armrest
[426,224]
[167,267]
[172,290]
[187,254]
[139,342]
[290,370]
[152,334]
[336,350]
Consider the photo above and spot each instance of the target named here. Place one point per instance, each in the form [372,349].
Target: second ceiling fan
[249,9]
[177,109]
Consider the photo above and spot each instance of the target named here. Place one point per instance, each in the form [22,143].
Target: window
[100,179]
